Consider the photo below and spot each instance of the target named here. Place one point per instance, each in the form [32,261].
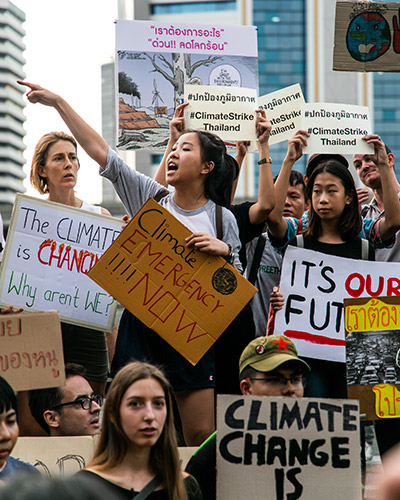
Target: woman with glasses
[137,449]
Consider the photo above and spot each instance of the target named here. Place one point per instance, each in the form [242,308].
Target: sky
[66,44]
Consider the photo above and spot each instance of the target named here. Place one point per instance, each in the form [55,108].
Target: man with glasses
[268,366]
[71,410]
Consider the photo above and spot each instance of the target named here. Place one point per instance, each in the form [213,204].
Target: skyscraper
[11,105]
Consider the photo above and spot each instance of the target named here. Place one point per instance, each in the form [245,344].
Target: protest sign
[367,37]
[31,350]
[50,248]
[373,355]
[336,128]
[283,109]
[188,297]
[156,59]
[65,456]
[56,456]
[225,111]
[314,288]
[275,448]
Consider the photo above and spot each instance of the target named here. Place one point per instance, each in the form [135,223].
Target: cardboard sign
[50,248]
[54,456]
[367,37]
[66,455]
[283,109]
[276,448]
[155,60]
[336,128]
[373,355]
[31,351]
[314,288]
[186,296]
[225,111]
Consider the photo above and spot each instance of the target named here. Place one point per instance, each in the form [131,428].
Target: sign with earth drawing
[155,60]
[367,36]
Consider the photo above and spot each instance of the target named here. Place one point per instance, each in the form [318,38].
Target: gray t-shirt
[268,276]
[135,188]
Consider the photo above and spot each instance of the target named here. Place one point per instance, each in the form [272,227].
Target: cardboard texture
[54,456]
[367,37]
[187,297]
[50,248]
[373,355]
[31,352]
[271,448]
[65,456]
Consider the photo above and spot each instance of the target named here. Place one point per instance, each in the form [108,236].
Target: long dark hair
[8,399]
[218,183]
[350,224]
[113,442]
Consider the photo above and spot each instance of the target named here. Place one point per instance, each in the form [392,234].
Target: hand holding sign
[296,143]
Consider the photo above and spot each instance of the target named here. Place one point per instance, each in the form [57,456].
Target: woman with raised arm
[202,176]
[54,172]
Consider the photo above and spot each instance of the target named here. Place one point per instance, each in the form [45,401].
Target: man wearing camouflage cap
[268,366]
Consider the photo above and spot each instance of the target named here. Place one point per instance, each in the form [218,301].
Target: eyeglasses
[280,382]
[85,402]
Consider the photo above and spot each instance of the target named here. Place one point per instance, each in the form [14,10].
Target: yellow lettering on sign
[387,401]
[375,315]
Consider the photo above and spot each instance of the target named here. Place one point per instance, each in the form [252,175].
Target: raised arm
[176,129]
[277,224]
[92,142]
[391,222]
[265,203]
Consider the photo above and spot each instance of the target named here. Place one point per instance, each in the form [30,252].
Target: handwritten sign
[283,109]
[227,112]
[373,355]
[336,128]
[50,248]
[31,351]
[186,296]
[276,448]
[65,456]
[156,59]
[367,37]
[314,290]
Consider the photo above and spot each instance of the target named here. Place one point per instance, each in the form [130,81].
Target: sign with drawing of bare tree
[155,60]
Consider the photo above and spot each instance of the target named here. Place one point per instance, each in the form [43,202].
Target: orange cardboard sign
[186,296]
[31,352]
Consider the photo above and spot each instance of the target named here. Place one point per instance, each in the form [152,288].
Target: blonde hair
[40,157]
[113,442]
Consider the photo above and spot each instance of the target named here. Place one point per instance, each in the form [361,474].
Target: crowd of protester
[147,411]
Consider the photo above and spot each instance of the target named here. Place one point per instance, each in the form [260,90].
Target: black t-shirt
[247,230]
[349,249]
[203,467]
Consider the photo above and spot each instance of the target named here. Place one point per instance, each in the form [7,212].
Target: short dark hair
[296,179]
[8,399]
[41,400]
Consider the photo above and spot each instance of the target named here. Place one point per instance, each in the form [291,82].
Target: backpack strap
[257,259]
[364,249]
[300,241]
[163,192]
[218,221]
[148,489]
